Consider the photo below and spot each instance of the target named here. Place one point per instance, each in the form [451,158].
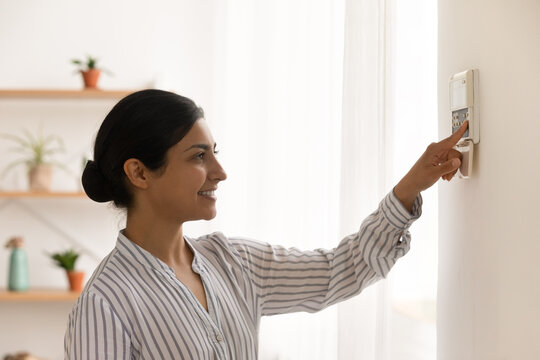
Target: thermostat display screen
[458,98]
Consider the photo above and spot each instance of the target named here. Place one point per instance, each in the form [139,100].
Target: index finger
[454,138]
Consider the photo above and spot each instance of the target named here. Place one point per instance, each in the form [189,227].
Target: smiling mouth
[207,193]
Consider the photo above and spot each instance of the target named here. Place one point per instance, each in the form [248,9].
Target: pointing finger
[453,139]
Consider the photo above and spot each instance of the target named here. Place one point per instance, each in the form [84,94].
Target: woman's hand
[439,160]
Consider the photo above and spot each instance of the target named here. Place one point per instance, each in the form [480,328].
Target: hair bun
[94,183]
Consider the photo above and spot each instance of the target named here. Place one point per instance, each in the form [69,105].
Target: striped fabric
[134,307]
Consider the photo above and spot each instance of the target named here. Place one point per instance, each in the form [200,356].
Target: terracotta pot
[90,78]
[40,178]
[75,279]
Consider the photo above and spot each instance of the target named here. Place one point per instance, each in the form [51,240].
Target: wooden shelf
[35,194]
[65,94]
[33,295]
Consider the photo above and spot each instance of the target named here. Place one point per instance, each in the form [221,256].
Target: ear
[137,173]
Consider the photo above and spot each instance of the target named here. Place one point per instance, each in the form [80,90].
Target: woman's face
[184,191]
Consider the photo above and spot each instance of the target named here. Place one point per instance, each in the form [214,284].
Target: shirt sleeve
[290,280]
[94,331]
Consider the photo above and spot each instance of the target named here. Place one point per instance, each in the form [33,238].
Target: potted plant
[89,71]
[66,260]
[36,151]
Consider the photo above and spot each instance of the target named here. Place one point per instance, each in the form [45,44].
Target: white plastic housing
[466,148]
[464,103]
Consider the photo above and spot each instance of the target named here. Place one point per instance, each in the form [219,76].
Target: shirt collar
[137,253]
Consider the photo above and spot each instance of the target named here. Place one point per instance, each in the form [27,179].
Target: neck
[159,237]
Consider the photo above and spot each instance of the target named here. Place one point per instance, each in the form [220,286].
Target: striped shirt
[134,307]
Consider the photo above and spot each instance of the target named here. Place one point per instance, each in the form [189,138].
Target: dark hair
[143,125]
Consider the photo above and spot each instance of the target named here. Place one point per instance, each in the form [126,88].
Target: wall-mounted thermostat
[464,106]
[464,103]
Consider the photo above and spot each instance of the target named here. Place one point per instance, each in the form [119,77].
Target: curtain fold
[366,154]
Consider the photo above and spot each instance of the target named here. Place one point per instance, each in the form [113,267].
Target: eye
[202,154]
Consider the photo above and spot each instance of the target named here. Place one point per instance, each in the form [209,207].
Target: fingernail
[455,162]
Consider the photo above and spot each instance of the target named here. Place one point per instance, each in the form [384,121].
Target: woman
[162,295]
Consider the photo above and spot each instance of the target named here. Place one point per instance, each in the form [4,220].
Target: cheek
[184,181]
[192,181]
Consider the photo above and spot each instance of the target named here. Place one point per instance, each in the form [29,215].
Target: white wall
[489,238]
[142,43]
[167,44]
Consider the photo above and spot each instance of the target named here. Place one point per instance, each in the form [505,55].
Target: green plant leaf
[10,166]
[65,259]
[20,150]
[34,149]
[106,71]
[31,139]
[52,151]
[51,138]
[21,141]
[91,63]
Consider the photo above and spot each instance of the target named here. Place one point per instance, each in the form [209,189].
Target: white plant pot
[40,178]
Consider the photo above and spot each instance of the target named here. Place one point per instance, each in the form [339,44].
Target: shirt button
[219,337]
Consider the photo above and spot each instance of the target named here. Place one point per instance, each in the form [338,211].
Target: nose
[219,173]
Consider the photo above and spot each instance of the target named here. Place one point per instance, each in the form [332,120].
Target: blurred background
[318,109]
[311,104]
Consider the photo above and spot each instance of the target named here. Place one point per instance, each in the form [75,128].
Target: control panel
[464,103]
[464,106]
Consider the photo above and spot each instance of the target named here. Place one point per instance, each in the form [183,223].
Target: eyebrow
[201,146]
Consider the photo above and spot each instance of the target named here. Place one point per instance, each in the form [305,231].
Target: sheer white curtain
[389,116]
[303,114]
[413,281]
[276,118]
[366,154]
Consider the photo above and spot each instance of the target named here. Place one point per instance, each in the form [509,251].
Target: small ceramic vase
[18,266]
